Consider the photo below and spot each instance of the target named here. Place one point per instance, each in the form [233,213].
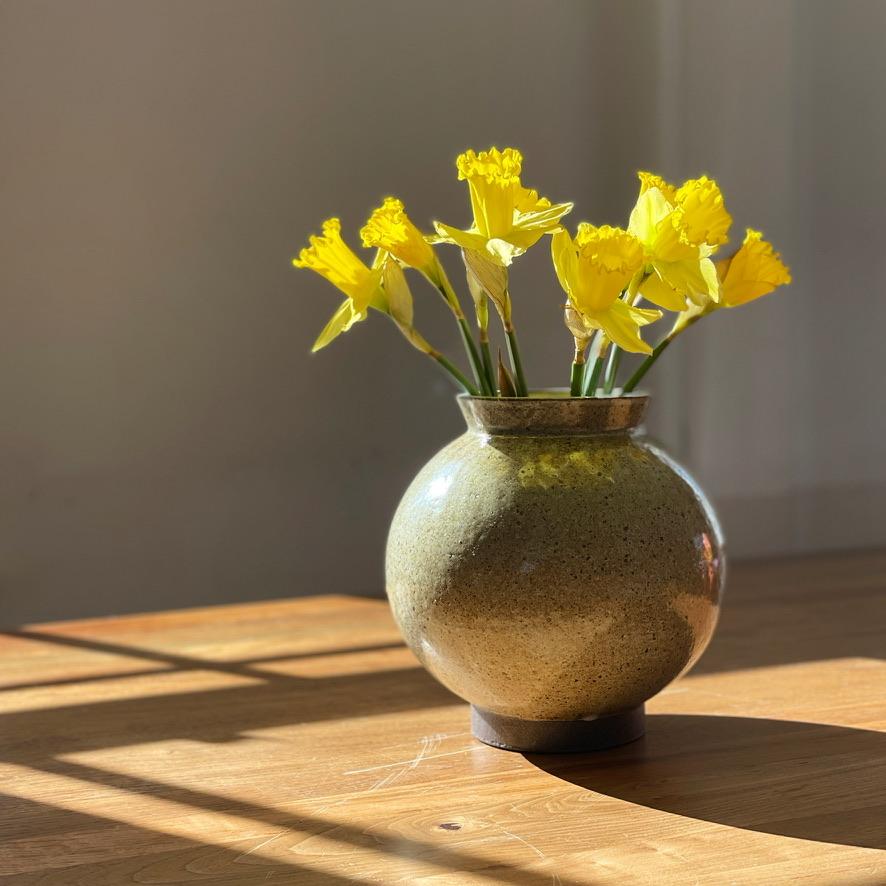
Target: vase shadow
[806,780]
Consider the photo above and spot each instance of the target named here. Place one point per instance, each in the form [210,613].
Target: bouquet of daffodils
[665,257]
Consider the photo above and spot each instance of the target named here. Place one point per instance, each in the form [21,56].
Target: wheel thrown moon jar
[555,569]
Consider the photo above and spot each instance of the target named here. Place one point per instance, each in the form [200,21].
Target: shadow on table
[83,847]
[64,847]
[264,698]
[805,780]
[794,610]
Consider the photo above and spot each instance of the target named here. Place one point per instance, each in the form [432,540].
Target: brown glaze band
[549,415]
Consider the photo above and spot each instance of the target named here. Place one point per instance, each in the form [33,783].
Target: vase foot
[557,736]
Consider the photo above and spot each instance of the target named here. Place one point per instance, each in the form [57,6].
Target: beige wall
[168,441]
[781,405]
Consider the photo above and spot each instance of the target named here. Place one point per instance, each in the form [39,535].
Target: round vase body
[553,565]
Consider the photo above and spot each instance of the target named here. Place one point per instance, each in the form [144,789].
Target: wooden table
[299,742]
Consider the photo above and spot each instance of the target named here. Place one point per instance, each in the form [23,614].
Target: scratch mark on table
[259,846]
[405,762]
[428,743]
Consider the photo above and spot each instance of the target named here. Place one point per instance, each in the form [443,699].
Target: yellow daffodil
[508,218]
[680,228]
[756,269]
[390,228]
[593,270]
[330,257]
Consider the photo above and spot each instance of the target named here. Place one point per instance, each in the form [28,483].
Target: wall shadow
[795,779]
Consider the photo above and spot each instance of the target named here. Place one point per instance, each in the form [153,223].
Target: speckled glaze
[551,563]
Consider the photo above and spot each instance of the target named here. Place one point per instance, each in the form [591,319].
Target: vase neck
[542,416]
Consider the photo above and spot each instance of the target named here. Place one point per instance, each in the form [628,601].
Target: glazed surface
[555,576]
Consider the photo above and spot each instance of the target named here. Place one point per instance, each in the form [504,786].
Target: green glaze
[551,563]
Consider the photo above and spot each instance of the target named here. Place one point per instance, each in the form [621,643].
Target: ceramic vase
[555,569]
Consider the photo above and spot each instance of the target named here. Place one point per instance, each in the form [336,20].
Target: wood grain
[298,742]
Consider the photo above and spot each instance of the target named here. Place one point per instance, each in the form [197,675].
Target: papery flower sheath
[508,218]
[398,297]
[593,270]
[330,257]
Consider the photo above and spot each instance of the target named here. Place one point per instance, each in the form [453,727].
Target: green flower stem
[647,364]
[451,299]
[487,361]
[578,373]
[612,369]
[516,362]
[454,372]
[591,355]
[659,349]
[474,357]
[593,378]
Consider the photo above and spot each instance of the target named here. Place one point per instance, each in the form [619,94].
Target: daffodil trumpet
[665,256]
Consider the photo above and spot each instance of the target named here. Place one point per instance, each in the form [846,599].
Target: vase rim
[551,411]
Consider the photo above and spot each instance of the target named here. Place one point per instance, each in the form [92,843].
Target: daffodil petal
[655,290]
[523,239]
[688,277]
[564,258]
[341,321]
[465,239]
[621,327]
[644,316]
[544,218]
[709,272]
[650,209]
[504,252]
